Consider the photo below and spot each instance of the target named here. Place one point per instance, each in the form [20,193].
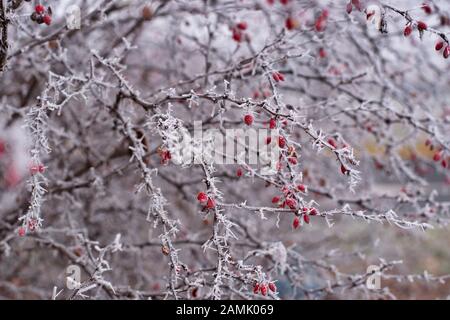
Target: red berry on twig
[349,8]
[422,26]
[237,35]
[344,170]
[437,156]
[272,123]
[242,25]
[407,31]
[296,223]
[290,23]
[291,203]
[248,119]
[21,231]
[272,287]
[426,8]
[210,204]
[263,290]
[39,8]
[306,218]
[47,20]
[446,53]
[202,197]
[281,142]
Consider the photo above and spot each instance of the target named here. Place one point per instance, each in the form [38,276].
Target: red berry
[272,123]
[275,199]
[272,287]
[344,169]
[239,172]
[439,45]
[437,156]
[237,35]
[290,23]
[242,25]
[332,142]
[263,289]
[313,212]
[277,77]
[301,188]
[444,163]
[446,53]
[321,21]
[281,142]
[210,204]
[322,53]
[256,288]
[202,197]
[422,26]
[47,20]
[284,2]
[39,8]
[407,31]
[291,203]
[349,8]
[426,8]
[37,168]
[306,218]
[268,140]
[21,231]
[248,119]
[296,223]
[292,160]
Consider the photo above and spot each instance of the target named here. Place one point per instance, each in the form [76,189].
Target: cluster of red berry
[208,202]
[446,46]
[165,155]
[438,155]
[262,288]
[31,225]
[421,26]
[36,168]
[287,199]
[277,76]
[42,15]
[321,21]
[238,33]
